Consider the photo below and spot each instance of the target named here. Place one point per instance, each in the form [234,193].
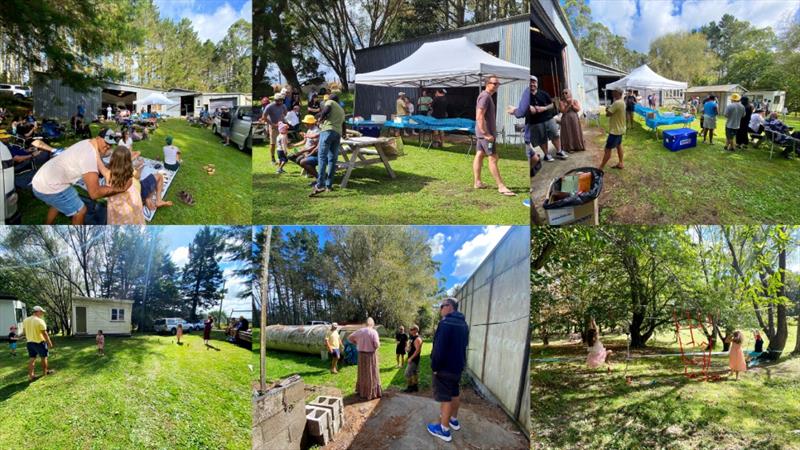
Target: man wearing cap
[225,120]
[35,330]
[334,344]
[734,113]
[539,110]
[53,182]
[331,121]
[616,129]
[448,358]
[275,114]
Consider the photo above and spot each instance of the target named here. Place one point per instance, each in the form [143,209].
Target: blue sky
[641,21]
[210,18]
[459,249]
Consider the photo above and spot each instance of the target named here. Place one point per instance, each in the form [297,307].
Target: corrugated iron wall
[54,100]
[496,303]
[511,34]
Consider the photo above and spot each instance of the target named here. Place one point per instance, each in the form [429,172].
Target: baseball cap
[169,140]
[38,308]
[533,77]
[108,135]
[334,325]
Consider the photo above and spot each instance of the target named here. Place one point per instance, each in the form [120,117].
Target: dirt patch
[398,421]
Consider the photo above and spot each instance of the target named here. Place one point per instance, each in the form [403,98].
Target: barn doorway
[547,53]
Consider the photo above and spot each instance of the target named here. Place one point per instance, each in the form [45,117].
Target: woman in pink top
[736,354]
[368,382]
[100,339]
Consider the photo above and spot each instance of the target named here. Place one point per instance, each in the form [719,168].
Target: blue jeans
[328,154]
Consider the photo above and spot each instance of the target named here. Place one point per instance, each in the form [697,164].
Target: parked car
[244,131]
[170,325]
[16,90]
[9,213]
[199,326]
[317,322]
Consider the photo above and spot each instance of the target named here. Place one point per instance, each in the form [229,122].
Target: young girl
[179,333]
[736,354]
[126,140]
[101,343]
[12,340]
[283,146]
[125,207]
[598,355]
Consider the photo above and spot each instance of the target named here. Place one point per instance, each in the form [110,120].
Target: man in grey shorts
[543,126]
[485,132]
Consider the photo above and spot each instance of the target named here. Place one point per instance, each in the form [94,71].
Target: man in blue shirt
[710,113]
[448,358]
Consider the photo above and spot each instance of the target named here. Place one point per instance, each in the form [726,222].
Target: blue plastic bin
[680,139]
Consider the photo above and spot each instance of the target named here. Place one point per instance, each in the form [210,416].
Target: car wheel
[248,144]
[19,96]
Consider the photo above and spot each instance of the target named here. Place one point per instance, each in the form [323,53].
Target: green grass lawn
[704,185]
[576,407]
[147,392]
[224,197]
[433,186]
[315,371]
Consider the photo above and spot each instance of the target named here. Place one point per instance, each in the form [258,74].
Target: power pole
[264,292]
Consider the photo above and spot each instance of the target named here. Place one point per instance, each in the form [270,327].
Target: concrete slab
[399,422]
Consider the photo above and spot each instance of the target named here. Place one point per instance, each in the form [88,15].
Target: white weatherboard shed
[12,312]
[111,315]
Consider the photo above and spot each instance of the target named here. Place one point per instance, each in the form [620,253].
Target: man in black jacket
[448,358]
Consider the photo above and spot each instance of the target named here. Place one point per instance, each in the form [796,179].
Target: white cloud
[180,256]
[449,238]
[474,251]
[234,285]
[437,244]
[452,290]
[655,18]
[211,26]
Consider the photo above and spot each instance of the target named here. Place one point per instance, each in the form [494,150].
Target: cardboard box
[586,214]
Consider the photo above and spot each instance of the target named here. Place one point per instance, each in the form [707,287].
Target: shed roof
[603,67]
[102,300]
[716,88]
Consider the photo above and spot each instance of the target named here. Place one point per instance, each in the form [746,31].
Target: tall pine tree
[202,277]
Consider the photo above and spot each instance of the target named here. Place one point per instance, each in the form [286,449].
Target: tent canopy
[155,99]
[644,78]
[441,64]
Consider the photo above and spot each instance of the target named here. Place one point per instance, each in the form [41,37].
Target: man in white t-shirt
[172,155]
[53,183]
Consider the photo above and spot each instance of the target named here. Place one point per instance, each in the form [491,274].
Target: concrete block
[336,407]
[267,405]
[279,440]
[294,394]
[296,422]
[319,424]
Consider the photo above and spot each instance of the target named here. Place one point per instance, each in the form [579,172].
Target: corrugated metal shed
[52,99]
[508,36]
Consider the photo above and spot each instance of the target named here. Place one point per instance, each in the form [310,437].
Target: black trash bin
[581,207]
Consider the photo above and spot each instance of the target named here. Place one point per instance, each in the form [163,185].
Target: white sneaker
[562,155]
[548,158]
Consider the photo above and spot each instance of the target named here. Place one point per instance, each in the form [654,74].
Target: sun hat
[736,97]
[309,119]
[38,309]
[283,127]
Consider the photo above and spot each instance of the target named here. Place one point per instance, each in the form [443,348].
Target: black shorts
[37,349]
[445,386]
[400,349]
[282,156]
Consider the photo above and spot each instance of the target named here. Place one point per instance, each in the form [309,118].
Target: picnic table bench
[364,151]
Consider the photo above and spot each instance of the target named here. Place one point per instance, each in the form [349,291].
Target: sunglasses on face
[493,82]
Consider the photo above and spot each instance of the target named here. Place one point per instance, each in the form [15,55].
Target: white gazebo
[443,64]
[645,80]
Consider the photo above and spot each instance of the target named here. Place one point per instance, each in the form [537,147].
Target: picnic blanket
[150,166]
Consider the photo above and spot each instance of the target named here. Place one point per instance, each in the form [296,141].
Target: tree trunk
[797,341]
[778,341]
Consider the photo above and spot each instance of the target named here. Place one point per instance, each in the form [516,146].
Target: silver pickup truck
[244,128]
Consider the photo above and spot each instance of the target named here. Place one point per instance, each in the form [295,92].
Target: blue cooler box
[680,139]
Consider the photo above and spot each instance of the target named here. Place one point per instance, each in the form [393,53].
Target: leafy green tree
[68,37]
[683,56]
[201,278]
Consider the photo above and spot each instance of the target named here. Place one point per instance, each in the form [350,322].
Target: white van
[8,204]
[170,325]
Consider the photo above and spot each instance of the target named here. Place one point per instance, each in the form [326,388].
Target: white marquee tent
[644,78]
[155,99]
[442,64]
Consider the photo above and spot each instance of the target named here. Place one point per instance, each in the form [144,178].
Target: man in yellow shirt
[334,343]
[35,330]
[616,129]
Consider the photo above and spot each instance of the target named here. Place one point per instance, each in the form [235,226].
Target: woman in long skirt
[368,382]
[571,131]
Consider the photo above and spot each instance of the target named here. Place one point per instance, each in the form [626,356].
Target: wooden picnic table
[363,151]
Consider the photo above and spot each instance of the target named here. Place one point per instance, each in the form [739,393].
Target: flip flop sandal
[617,167]
[481,186]
[186,198]
[508,193]
[50,372]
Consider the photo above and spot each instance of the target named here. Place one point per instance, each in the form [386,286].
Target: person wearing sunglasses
[486,132]
[448,358]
